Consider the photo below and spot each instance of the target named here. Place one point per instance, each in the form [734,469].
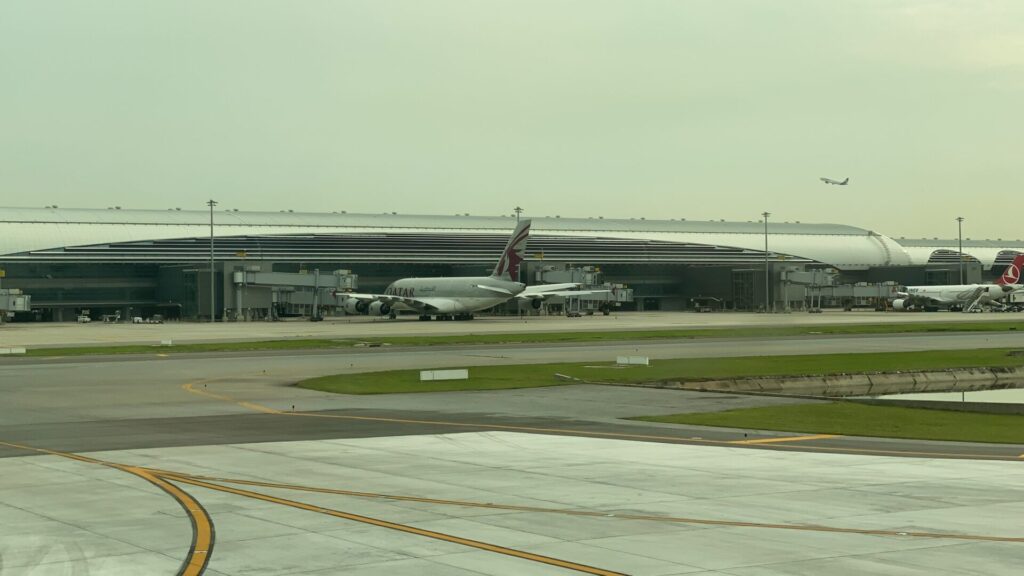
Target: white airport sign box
[633,360]
[460,374]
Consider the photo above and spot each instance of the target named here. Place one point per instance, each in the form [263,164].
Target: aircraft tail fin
[845,182]
[1012,273]
[507,267]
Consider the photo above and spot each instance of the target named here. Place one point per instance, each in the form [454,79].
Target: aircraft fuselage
[454,295]
[956,293]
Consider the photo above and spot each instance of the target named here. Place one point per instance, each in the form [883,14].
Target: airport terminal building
[146,262]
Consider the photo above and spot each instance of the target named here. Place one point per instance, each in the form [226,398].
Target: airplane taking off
[836,182]
[459,297]
[966,297]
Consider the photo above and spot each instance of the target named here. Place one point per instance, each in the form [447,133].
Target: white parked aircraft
[459,297]
[836,182]
[966,297]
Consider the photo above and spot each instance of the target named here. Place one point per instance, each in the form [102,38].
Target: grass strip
[539,338]
[852,419]
[681,369]
[697,369]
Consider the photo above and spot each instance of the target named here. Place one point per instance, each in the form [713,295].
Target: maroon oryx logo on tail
[508,265]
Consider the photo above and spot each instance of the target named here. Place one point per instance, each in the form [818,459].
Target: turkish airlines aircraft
[836,182]
[964,296]
[1011,276]
[459,297]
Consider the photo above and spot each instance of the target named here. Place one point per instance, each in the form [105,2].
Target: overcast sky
[663,109]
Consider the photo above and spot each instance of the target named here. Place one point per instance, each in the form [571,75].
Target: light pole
[960,245]
[766,279]
[213,294]
[518,211]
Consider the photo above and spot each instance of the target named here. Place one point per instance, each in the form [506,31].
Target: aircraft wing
[542,291]
[441,305]
[387,298]
[357,296]
[496,290]
[413,303]
[545,288]
[567,293]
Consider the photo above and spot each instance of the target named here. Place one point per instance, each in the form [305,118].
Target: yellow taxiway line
[785,439]
[589,513]
[202,526]
[199,554]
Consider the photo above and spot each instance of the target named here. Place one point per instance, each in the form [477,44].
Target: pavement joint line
[619,435]
[786,439]
[203,534]
[596,514]
[402,528]
[672,439]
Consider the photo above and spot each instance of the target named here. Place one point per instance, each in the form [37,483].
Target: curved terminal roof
[991,253]
[114,234]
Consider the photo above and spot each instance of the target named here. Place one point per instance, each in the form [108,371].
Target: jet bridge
[796,287]
[611,295]
[816,288]
[13,300]
[273,295]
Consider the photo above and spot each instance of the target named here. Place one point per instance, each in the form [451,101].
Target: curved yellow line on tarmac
[190,387]
[202,527]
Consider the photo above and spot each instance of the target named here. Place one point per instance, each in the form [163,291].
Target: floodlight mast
[213,293]
[766,273]
[960,245]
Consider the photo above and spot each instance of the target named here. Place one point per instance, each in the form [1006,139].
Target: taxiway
[538,481]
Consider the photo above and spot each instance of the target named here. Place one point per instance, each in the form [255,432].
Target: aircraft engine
[901,304]
[379,309]
[353,306]
[536,303]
